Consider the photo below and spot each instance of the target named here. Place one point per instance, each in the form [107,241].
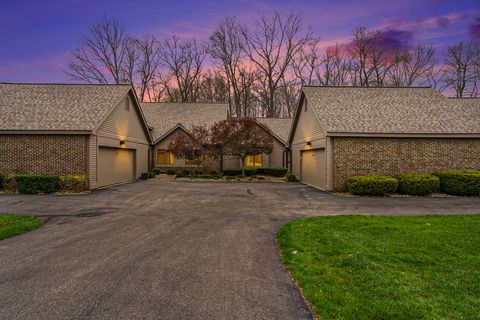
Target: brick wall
[388,156]
[43,154]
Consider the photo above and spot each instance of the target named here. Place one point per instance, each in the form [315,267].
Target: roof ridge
[369,87]
[66,84]
[183,103]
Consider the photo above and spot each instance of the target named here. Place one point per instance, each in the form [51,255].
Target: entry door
[115,165]
[313,168]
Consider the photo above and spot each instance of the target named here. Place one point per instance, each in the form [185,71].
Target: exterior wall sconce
[309,143]
[122,143]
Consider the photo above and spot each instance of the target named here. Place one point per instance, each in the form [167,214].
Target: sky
[37,37]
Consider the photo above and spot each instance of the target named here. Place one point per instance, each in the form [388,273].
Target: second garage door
[312,169]
[115,166]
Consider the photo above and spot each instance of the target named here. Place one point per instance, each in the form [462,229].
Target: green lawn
[12,225]
[370,267]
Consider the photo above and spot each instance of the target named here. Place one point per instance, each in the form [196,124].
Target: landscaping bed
[11,225]
[269,174]
[374,267]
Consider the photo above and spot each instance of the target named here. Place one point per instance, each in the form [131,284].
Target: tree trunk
[242,165]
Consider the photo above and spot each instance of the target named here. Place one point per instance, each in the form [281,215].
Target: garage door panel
[313,167]
[115,165]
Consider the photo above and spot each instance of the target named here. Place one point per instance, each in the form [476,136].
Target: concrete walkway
[170,250]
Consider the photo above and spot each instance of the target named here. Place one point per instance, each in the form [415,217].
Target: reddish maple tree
[241,137]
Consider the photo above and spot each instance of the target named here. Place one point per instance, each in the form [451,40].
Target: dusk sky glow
[38,37]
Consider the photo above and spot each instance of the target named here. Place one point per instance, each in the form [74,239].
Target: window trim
[127,104]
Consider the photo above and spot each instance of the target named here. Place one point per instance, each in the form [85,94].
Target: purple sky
[37,37]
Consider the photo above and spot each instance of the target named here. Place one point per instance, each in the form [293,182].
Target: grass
[11,225]
[371,267]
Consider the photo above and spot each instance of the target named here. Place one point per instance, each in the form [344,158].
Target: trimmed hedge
[417,184]
[290,177]
[372,185]
[75,183]
[186,172]
[238,172]
[276,171]
[459,182]
[157,171]
[147,175]
[171,172]
[37,183]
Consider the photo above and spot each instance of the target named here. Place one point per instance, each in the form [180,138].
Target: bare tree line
[259,68]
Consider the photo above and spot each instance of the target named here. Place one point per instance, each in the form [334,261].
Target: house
[168,118]
[279,128]
[70,129]
[339,132]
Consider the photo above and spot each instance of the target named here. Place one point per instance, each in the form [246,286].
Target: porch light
[122,143]
[309,143]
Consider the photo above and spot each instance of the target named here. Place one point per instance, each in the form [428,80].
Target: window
[306,104]
[164,157]
[194,156]
[127,104]
[254,160]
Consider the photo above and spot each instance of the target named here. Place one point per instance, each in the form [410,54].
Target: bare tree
[226,48]
[460,71]
[271,46]
[183,60]
[413,67]
[102,55]
[148,65]
[305,65]
[361,51]
[212,87]
[335,67]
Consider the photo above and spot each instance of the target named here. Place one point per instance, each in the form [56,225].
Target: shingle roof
[57,106]
[163,117]
[392,110]
[279,126]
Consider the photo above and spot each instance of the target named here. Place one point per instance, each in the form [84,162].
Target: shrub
[238,172]
[157,171]
[459,182]
[37,183]
[186,172]
[372,185]
[9,183]
[1,181]
[213,173]
[417,184]
[147,175]
[290,177]
[182,175]
[75,183]
[171,172]
[276,171]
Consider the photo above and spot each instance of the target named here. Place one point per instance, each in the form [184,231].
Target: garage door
[115,166]
[312,170]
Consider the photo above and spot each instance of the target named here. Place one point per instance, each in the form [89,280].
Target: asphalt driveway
[170,250]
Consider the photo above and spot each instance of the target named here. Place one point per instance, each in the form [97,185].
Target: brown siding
[124,124]
[389,156]
[307,128]
[43,154]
